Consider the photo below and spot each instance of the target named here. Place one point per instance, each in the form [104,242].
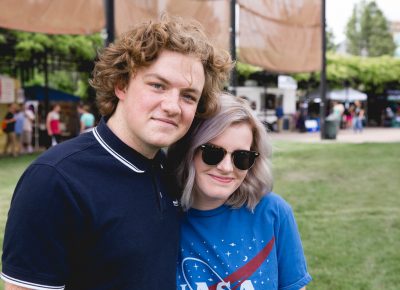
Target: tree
[330,40]
[372,75]
[353,38]
[367,31]
[245,70]
[67,58]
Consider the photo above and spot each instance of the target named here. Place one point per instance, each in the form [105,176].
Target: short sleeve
[292,267]
[30,114]
[42,223]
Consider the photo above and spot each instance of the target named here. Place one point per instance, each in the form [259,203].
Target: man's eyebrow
[192,90]
[157,76]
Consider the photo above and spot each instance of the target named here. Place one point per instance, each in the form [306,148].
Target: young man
[94,212]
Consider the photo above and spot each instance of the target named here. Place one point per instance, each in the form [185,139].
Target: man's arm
[9,286]
[12,120]
[26,216]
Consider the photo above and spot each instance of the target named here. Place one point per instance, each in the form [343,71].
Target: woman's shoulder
[274,198]
[275,203]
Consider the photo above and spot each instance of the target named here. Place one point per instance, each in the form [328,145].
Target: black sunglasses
[242,159]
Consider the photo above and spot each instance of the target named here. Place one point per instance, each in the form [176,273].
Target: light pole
[323,72]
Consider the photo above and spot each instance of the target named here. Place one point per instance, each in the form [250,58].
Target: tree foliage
[69,58]
[367,31]
[368,74]
[246,70]
[26,45]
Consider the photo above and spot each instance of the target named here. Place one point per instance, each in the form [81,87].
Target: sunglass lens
[212,155]
[244,160]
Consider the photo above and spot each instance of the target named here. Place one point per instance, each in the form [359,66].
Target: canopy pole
[323,72]
[110,23]
[233,79]
[46,83]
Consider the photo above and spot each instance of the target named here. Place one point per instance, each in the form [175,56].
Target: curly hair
[258,181]
[141,46]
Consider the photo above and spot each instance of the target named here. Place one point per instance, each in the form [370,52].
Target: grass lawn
[346,199]
[10,171]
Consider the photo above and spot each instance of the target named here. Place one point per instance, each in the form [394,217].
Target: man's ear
[120,92]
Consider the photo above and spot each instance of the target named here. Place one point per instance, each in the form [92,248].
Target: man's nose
[170,104]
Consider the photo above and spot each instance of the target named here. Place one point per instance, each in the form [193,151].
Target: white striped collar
[114,153]
[29,285]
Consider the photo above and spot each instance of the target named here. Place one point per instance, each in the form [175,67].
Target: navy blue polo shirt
[92,213]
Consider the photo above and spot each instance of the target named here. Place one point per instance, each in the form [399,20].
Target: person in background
[26,142]
[301,117]
[94,212]
[86,119]
[279,115]
[235,231]
[19,127]
[337,111]
[390,115]
[53,124]
[347,117]
[358,117]
[9,129]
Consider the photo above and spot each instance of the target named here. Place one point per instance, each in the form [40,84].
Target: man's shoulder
[78,148]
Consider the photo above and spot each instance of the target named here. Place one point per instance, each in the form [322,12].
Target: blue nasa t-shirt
[227,248]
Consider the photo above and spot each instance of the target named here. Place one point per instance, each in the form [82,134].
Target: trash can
[330,129]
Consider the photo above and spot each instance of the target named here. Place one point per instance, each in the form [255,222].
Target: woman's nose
[226,164]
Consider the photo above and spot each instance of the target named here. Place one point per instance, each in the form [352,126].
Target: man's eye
[157,86]
[190,98]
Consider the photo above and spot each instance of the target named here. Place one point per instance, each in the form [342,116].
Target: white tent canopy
[349,95]
[341,95]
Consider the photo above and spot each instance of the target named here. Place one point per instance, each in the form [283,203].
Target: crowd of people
[349,116]
[345,116]
[17,125]
[20,122]
[390,116]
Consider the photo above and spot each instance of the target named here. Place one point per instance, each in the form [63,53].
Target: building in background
[265,100]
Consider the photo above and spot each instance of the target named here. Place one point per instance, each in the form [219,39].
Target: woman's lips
[221,178]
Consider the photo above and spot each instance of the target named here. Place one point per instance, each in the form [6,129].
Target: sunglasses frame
[253,154]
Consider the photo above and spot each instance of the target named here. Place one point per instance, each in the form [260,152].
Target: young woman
[53,124]
[236,233]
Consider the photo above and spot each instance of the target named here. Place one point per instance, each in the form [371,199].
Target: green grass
[346,199]
[10,171]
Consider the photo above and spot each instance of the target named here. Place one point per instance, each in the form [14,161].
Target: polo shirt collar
[122,152]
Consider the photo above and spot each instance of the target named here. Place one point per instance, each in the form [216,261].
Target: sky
[338,12]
